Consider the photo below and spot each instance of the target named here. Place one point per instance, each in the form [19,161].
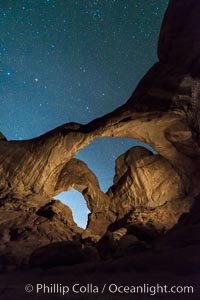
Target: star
[73,61]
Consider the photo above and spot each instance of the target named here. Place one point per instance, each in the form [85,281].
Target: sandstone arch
[164,112]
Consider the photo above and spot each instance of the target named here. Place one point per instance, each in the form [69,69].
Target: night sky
[67,60]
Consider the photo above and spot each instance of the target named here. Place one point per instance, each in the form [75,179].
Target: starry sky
[68,60]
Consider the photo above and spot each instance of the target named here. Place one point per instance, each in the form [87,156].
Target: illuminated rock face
[148,189]
[164,112]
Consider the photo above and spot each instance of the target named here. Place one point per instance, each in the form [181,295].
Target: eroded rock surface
[24,228]
[149,189]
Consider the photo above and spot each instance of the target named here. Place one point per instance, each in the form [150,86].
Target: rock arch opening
[101,154]
[76,202]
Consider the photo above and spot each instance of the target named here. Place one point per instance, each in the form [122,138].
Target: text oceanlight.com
[112,288]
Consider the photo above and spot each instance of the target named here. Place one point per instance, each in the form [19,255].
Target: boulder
[62,254]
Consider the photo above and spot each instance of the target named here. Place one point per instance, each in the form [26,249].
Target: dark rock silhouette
[63,253]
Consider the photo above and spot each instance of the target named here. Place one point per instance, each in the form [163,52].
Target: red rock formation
[162,112]
[148,189]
